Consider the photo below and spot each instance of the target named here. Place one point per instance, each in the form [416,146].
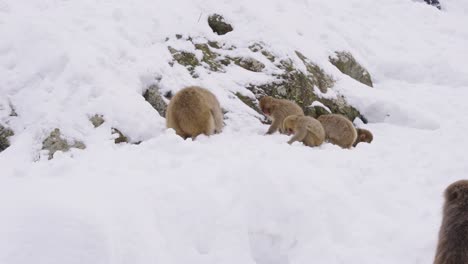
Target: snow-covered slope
[237,197]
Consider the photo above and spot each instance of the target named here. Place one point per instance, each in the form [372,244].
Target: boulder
[219,25]
[5,133]
[153,96]
[347,64]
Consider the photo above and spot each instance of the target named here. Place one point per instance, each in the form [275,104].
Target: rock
[256,47]
[121,138]
[252,103]
[210,57]
[153,96]
[249,64]
[97,120]
[187,59]
[316,74]
[435,3]
[5,133]
[54,142]
[218,25]
[347,64]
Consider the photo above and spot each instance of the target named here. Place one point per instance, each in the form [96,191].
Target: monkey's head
[364,135]
[289,124]
[456,194]
[267,105]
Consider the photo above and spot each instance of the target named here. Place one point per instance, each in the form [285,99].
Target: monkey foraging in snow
[277,110]
[194,111]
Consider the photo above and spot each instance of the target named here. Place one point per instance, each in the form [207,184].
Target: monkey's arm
[274,127]
[299,136]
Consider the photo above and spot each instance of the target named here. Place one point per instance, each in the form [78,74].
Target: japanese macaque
[338,130]
[305,129]
[194,111]
[277,110]
[453,235]
[363,135]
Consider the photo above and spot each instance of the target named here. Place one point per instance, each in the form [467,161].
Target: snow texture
[240,196]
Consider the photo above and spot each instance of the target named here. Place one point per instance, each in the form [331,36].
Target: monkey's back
[194,111]
[338,130]
[453,242]
[452,247]
[316,132]
[287,108]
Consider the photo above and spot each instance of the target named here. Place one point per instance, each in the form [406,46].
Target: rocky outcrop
[295,77]
[347,64]
[219,25]
[55,142]
[5,133]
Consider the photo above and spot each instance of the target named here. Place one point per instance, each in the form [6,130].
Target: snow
[240,196]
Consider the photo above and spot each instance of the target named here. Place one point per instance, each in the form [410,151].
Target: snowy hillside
[240,196]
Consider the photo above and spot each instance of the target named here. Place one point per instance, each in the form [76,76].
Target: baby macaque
[453,235]
[363,135]
[339,130]
[277,110]
[305,129]
[194,111]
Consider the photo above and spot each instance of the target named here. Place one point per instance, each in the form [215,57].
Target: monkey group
[195,110]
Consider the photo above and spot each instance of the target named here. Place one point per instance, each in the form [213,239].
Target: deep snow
[237,197]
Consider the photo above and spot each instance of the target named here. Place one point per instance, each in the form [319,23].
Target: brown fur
[363,135]
[277,110]
[339,130]
[453,235]
[194,111]
[305,129]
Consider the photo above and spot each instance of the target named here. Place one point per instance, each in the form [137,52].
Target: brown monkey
[363,135]
[305,129]
[277,110]
[194,111]
[338,130]
[453,235]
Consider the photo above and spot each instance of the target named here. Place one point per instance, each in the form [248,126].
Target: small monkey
[277,110]
[339,130]
[453,235]
[194,111]
[363,135]
[305,129]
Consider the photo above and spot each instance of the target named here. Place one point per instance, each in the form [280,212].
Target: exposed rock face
[348,65]
[97,120]
[55,142]
[218,25]
[153,96]
[5,133]
[294,78]
[435,3]
[249,64]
